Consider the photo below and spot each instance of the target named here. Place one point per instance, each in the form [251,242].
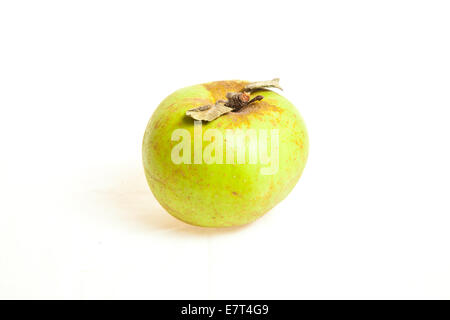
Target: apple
[228,171]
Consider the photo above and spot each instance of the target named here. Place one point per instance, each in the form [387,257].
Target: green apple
[182,158]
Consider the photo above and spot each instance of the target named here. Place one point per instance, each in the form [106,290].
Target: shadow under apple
[127,202]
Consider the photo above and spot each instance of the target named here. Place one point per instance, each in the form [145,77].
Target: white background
[370,217]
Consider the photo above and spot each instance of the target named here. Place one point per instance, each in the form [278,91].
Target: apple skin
[222,195]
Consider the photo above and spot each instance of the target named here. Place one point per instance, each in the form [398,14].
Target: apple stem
[238,100]
[235,101]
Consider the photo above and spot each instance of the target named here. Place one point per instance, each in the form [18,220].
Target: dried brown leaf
[209,112]
[253,86]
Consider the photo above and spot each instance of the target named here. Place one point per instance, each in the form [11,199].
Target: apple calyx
[235,101]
